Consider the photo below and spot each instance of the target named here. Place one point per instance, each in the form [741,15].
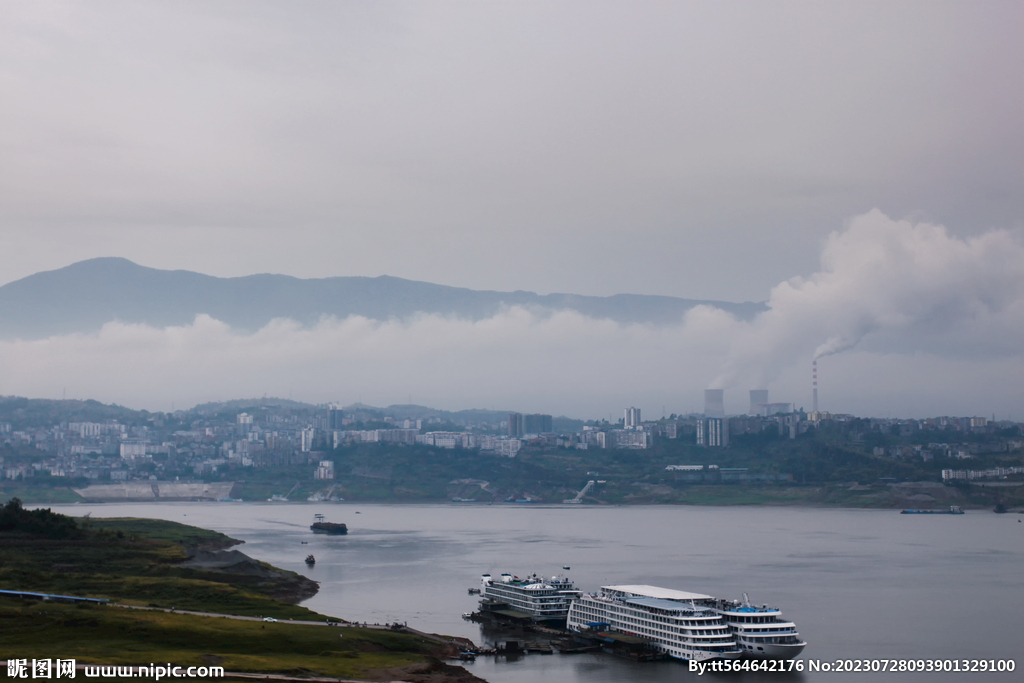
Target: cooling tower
[714,403]
[758,399]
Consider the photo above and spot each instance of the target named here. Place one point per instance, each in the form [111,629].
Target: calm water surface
[860,584]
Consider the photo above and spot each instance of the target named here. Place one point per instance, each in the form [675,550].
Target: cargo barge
[319,526]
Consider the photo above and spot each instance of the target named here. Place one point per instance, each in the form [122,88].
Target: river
[859,584]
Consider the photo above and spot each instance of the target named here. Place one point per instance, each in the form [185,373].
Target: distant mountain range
[359,411]
[24,412]
[86,295]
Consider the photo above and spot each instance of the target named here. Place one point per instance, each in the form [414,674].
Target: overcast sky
[696,149]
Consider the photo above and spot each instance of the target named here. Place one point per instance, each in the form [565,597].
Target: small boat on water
[310,560]
[953,510]
[539,648]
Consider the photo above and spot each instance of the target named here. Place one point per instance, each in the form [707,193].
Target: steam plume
[896,286]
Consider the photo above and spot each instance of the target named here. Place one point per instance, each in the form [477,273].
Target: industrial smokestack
[714,403]
[758,399]
[814,372]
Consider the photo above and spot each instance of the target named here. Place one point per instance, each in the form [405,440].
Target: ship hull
[775,651]
[931,512]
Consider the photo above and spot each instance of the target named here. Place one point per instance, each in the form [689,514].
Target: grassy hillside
[135,561]
[144,563]
[159,530]
[113,635]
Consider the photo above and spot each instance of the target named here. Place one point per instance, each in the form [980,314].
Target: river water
[859,584]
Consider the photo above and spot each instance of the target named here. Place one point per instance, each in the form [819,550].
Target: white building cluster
[341,437]
[993,473]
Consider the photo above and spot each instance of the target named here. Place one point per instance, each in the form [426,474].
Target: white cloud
[563,362]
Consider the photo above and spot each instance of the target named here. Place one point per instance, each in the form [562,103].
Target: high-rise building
[713,431]
[307,435]
[758,401]
[536,423]
[632,418]
[244,423]
[334,418]
[515,425]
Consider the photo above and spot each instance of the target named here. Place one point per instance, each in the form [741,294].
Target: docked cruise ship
[532,598]
[760,631]
[680,624]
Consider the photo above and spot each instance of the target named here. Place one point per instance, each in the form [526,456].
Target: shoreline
[845,495]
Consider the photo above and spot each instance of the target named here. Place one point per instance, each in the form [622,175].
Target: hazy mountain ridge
[362,411]
[86,295]
[22,412]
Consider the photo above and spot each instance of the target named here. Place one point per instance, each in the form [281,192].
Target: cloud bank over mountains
[907,320]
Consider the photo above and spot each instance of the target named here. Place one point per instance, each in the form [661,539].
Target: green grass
[139,562]
[160,530]
[112,635]
[127,567]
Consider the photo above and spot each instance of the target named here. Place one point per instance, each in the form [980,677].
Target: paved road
[280,677]
[81,666]
[340,622]
[233,616]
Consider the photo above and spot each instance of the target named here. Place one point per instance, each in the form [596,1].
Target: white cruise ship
[531,598]
[760,631]
[680,624]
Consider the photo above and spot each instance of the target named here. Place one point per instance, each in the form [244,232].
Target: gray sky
[695,149]
[700,149]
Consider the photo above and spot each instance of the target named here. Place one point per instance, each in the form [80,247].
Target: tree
[14,517]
